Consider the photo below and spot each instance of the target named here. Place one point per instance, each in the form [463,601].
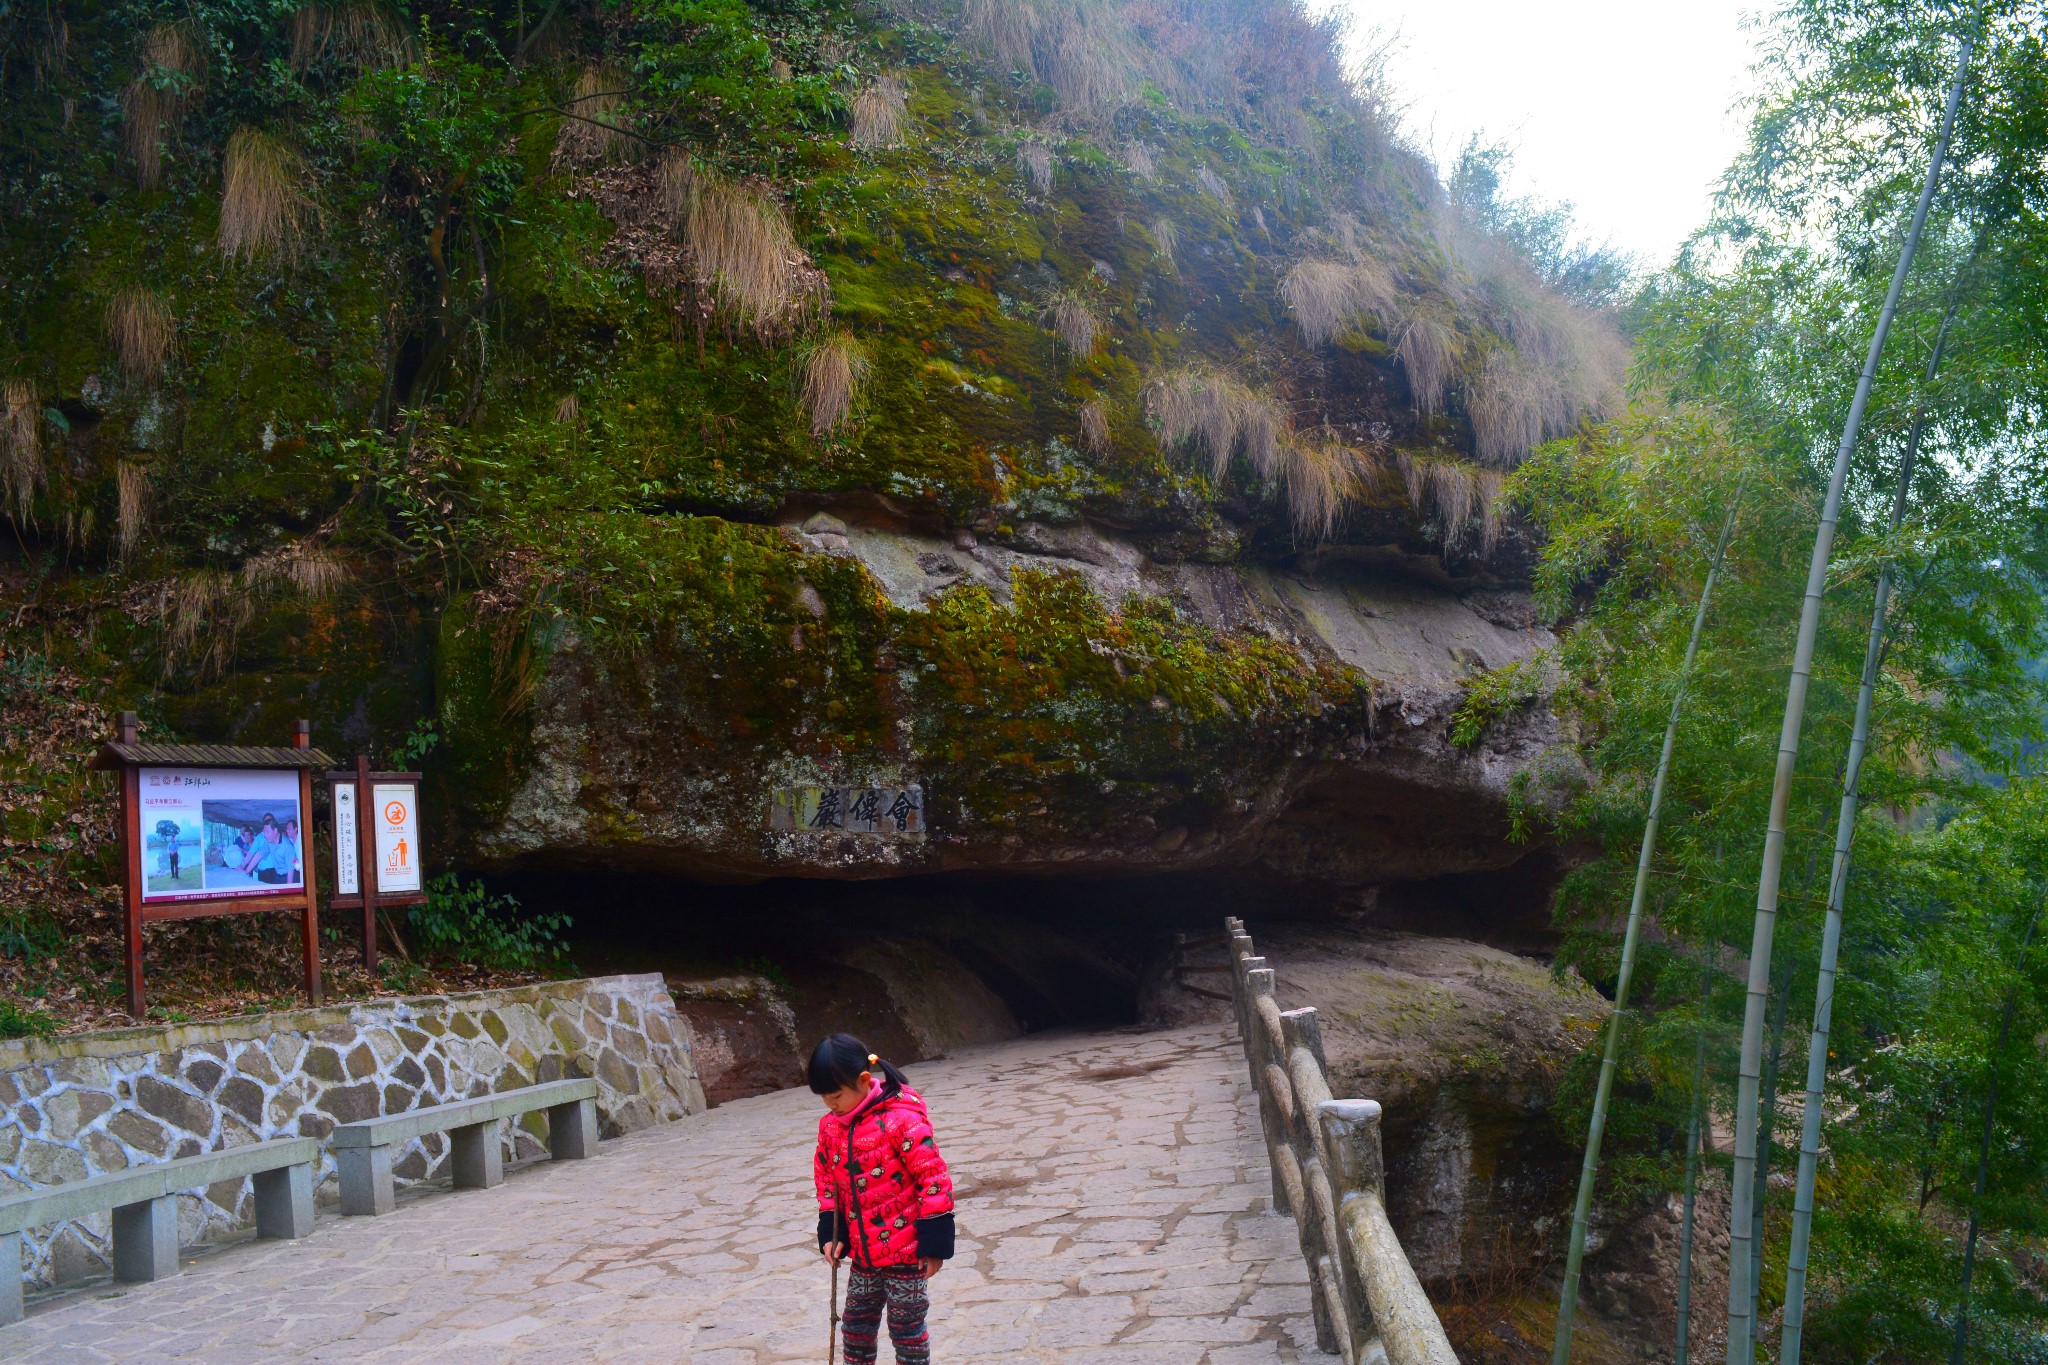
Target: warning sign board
[394,814]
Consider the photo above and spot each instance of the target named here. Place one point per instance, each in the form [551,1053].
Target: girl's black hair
[838,1060]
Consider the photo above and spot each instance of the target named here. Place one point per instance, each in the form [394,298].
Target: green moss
[1042,701]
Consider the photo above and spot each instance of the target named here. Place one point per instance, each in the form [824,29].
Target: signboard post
[214,829]
[376,845]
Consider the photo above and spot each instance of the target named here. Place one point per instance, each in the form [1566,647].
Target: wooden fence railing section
[1328,1173]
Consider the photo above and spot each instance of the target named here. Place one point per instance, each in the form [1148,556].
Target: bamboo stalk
[1741,1321]
[1838,879]
[1589,1170]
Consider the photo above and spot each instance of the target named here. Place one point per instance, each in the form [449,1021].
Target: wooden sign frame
[367,898]
[127,756]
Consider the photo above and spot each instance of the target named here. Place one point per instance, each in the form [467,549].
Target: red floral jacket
[882,1185]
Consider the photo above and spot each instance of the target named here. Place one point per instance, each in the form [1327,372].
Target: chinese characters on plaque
[889,811]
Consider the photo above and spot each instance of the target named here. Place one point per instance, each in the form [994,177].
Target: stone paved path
[1113,1211]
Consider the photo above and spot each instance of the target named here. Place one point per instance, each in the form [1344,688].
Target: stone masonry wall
[77,1107]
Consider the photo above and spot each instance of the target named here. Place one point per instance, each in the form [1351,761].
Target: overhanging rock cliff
[1048,735]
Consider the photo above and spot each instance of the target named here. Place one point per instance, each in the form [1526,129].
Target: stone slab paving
[1114,1210]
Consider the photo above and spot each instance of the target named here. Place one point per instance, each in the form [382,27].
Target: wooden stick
[832,1328]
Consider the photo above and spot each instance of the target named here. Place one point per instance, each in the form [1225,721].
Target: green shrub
[27,936]
[16,1022]
[463,922]
[1495,695]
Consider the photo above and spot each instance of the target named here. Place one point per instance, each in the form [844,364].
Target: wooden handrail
[1329,1173]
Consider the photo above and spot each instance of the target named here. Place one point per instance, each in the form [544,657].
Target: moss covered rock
[1091,416]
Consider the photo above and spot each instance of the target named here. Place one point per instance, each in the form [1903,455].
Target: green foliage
[27,936]
[463,922]
[1747,345]
[417,745]
[16,1022]
[1054,691]
[1494,695]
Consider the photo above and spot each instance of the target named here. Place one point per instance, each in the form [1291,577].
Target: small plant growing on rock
[16,1022]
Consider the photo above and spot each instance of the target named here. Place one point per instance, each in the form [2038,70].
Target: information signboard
[376,845]
[219,832]
[347,882]
[213,829]
[398,837]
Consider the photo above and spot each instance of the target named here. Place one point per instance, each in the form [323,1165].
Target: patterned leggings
[902,1287]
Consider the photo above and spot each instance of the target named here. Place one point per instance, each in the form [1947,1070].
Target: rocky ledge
[1056,698]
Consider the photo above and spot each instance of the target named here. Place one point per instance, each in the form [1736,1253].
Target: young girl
[884,1198]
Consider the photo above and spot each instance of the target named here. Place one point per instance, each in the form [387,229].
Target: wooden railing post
[1315,1218]
[1395,1303]
[1269,1080]
[1328,1173]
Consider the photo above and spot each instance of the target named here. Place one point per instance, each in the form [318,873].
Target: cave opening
[918,965]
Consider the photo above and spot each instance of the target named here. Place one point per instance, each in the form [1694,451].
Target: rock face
[1355,783]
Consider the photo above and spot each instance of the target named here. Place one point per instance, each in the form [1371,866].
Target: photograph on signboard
[398,837]
[171,861]
[239,832]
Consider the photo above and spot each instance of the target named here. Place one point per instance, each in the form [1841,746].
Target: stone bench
[145,1207]
[362,1151]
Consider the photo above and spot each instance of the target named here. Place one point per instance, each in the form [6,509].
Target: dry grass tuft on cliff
[1332,299]
[878,113]
[264,205]
[1035,160]
[1559,363]
[1427,351]
[745,249]
[1095,438]
[300,569]
[1083,49]
[1165,240]
[361,34]
[131,506]
[154,104]
[835,370]
[204,612]
[142,332]
[593,129]
[1074,323]
[21,444]
[1213,183]
[1216,416]
[1202,55]
[1320,479]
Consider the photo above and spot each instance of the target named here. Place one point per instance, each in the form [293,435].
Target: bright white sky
[1622,107]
